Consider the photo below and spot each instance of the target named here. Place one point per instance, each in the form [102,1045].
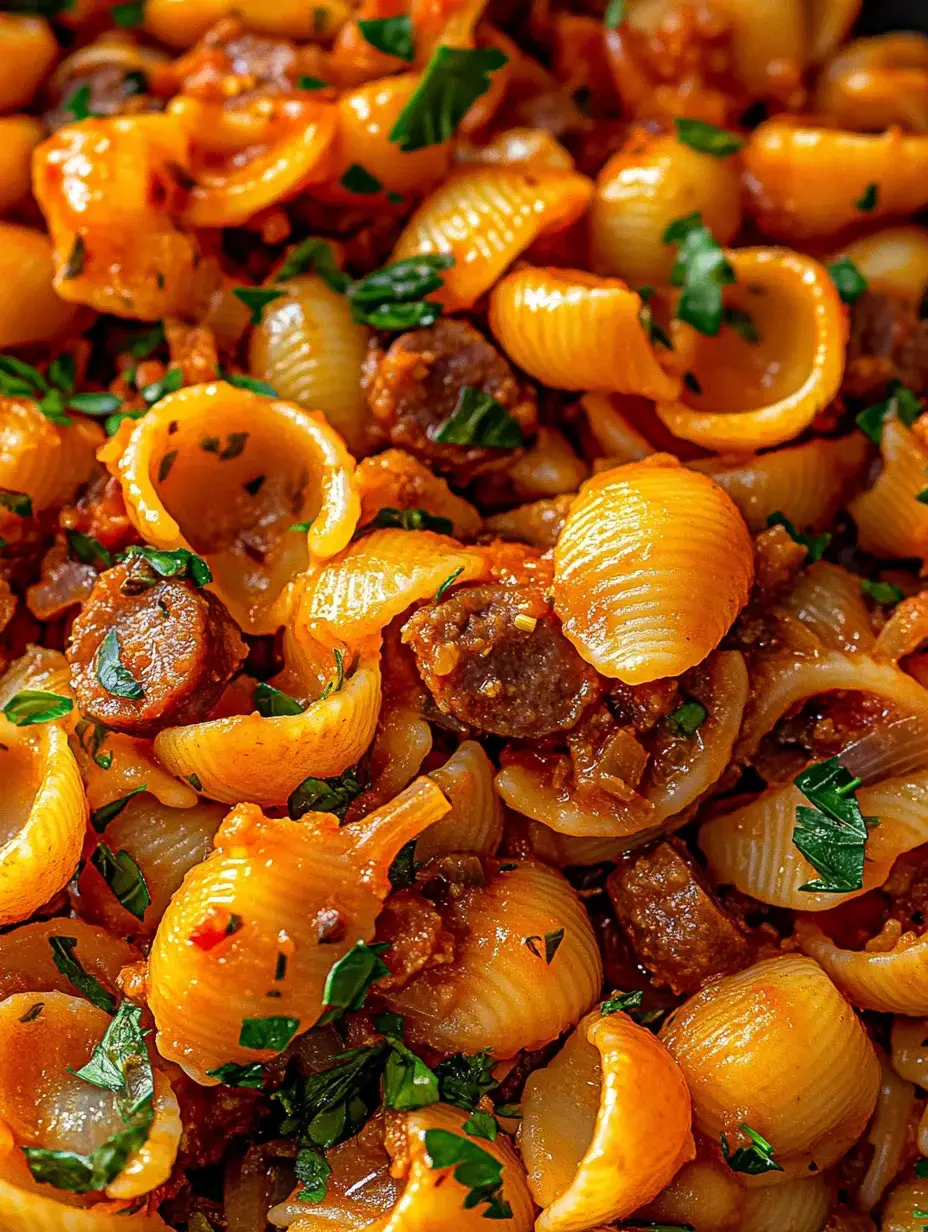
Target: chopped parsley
[408,519]
[833,835]
[551,941]
[621,1002]
[256,299]
[90,736]
[273,1033]
[463,1079]
[70,967]
[124,878]
[88,551]
[327,1107]
[478,419]
[453,80]
[408,1082]
[849,281]
[252,384]
[687,719]
[402,871]
[31,706]
[349,979]
[615,14]
[900,401]
[180,563]
[448,583]
[170,383]
[752,1160]
[77,103]
[814,545]
[868,198]
[100,818]
[314,255]
[313,1172]
[111,673]
[272,703]
[701,269]
[476,1169]
[394,297]
[16,502]
[325,795]
[128,15]
[233,448]
[882,592]
[706,138]
[335,686]
[250,1076]
[393,35]
[358,180]
[74,266]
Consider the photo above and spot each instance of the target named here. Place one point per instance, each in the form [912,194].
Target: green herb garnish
[70,967]
[478,419]
[702,270]
[101,817]
[453,80]
[552,942]
[31,706]
[272,703]
[814,545]
[848,279]
[325,795]
[833,835]
[111,673]
[706,138]
[687,719]
[124,878]
[752,1160]
[393,35]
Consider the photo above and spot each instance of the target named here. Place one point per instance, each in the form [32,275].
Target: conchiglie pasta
[901,1205]
[548,467]
[765,390]
[28,49]
[500,992]
[801,1204]
[19,135]
[165,843]
[639,615]
[396,480]
[534,146]
[310,350]
[485,217]
[703,1194]
[769,44]
[572,330]
[31,311]
[646,186]
[891,975]
[894,261]
[27,961]
[809,482]
[888,1134]
[804,182]
[179,23]
[47,461]
[475,822]
[289,882]
[890,521]
[777,1047]
[605,1125]
[47,1105]
[226,472]
[874,83]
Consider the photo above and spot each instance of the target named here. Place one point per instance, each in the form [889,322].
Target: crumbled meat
[907,886]
[888,341]
[415,385]
[413,928]
[100,513]
[494,657]
[177,642]
[676,926]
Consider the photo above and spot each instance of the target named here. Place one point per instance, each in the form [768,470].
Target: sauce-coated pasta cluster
[463,659]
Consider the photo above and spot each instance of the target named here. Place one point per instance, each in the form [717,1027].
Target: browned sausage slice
[494,657]
[176,644]
[677,928]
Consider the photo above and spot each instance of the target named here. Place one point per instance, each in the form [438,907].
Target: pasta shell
[704,1194]
[28,49]
[893,980]
[26,1206]
[310,349]
[875,83]
[189,472]
[888,1134]
[652,567]
[894,261]
[475,822]
[485,217]
[179,24]
[777,1047]
[572,330]
[809,482]
[246,757]
[27,960]
[397,480]
[605,1125]
[499,992]
[890,520]
[31,311]
[765,389]
[802,1205]
[284,880]
[47,461]
[905,1199]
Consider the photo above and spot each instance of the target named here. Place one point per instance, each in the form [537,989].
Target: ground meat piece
[907,887]
[177,642]
[417,938]
[522,680]
[888,340]
[415,385]
[676,926]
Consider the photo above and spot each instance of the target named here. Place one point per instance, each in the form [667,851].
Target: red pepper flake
[216,925]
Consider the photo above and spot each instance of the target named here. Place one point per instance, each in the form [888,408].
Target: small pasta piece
[573,330]
[273,146]
[800,1204]
[752,848]
[28,49]
[43,813]
[27,962]
[703,1194]
[180,23]
[248,757]
[809,482]
[377,578]
[767,389]
[309,348]
[605,1125]
[19,135]
[888,1134]
[225,472]
[638,614]
[396,480]
[892,978]
[901,1205]
[305,892]
[501,992]
[654,180]
[830,21]
[909,1051]
[475,822]
[165,843]
[875,83]
[549,467]
[614,433]
[535,147]
[485,217]
[890,520]
[47,461]
[769,44]
[46,1104]
[894,261]
[804,182]
[110,189]
[31,311]
[777,1047]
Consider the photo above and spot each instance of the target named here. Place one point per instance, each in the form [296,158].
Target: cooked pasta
[463,616]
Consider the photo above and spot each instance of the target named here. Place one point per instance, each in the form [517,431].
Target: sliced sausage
[676,926]
[494,657]
[414,387]
[177,643]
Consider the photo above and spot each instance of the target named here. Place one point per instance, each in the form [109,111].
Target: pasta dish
[463,637]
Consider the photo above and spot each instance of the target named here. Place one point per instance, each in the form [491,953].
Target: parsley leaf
[814,545]
[16,502]
[241,381]
[882,592]
[170,383]
[482,1124]
[100,818]
[407,519]
[394,297]
[88,551]
[250,1076]
[687,719]
[274,1033]
[474,1168]
[324,795]
[335,686]
[313,255]
[478,419]
[313,1171]
[900,401]
[327,1107]
[752,1160]
[120,1062]
[180,563]
[706,138]
[90,736]
[448,583]
[348,980]
[848,279]
[393,35]
[89,1173]
[128,15]
[124,878]
[621,1002]
[402,871]
[272,703]
[742,323]
[358,180]
[833,835]
[32,706]
[868,198]
[407,1081]
[701,269]
[74,266]
[552,942]
[70,967]
[614,15]
[453,80]
[463,1079]
[111,673]
[77,102]
[256,299]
